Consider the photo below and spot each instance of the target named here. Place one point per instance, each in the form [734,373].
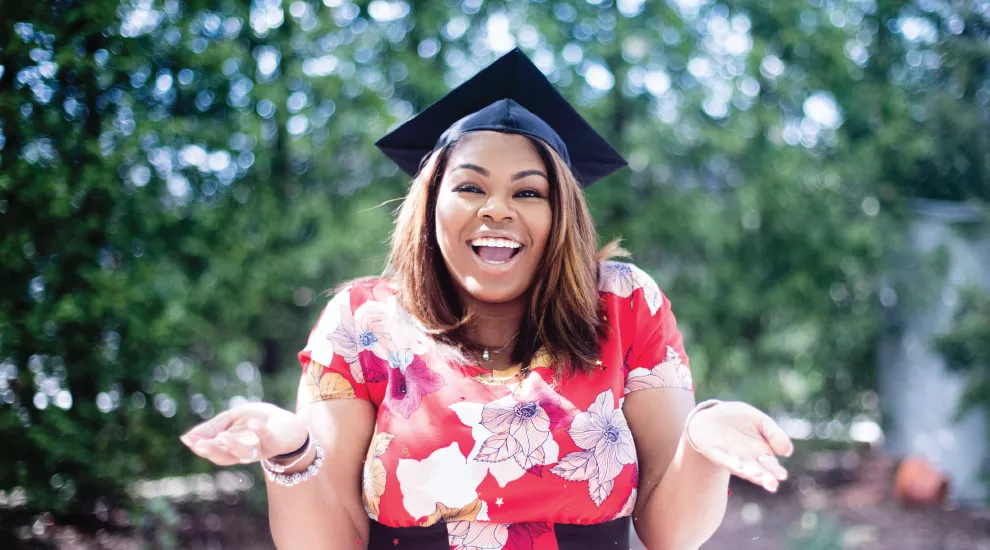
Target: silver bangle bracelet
[277,468]
[697,409]
[289,480]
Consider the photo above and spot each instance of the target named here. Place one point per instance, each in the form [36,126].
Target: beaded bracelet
[299,477]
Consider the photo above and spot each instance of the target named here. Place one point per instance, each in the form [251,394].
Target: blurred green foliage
[181,181]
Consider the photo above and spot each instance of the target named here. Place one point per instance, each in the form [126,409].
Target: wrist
[296,449]
[700,408]
[298,464]
[295,460]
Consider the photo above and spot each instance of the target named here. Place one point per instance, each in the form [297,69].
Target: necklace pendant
[484,356]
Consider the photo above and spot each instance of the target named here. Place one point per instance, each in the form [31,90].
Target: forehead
[495,148]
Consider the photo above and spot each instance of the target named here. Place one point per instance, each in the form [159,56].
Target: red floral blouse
[498,463]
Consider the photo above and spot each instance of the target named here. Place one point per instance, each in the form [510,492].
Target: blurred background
[182,181]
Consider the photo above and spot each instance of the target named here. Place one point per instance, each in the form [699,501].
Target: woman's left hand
[743,439]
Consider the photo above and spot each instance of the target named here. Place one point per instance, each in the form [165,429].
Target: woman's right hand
[247,433]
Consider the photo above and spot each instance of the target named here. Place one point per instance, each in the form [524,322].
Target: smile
[495,251]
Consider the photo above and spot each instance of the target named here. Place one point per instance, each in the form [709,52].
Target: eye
[467,188]
[529,194]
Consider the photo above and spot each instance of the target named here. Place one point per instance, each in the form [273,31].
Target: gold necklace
[485,357]
[514,376]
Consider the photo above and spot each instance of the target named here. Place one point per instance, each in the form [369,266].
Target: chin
[494,293]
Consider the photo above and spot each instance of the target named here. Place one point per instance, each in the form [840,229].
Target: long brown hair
[563,317]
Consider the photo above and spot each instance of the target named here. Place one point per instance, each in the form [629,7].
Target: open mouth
[495,251]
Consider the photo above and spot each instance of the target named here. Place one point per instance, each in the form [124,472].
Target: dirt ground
[788,521]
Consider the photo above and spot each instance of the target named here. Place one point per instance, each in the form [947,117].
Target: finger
[771,463]
[215,452]
[243,445]
[757,474]
[209,429]
[776,437]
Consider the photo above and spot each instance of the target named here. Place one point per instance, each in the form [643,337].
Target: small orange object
[918,482]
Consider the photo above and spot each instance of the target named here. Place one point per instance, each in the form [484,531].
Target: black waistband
[612,534]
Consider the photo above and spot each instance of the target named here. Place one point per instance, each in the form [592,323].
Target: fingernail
[251,457]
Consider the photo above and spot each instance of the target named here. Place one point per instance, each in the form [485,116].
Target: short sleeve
[656,356]
[331,369]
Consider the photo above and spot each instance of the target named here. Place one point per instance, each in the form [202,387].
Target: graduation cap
[511,95]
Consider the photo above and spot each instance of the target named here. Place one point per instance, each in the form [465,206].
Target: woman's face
[493,215]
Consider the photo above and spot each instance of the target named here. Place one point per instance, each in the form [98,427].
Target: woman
[504,385]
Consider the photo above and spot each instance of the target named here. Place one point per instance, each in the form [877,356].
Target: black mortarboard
[511,95]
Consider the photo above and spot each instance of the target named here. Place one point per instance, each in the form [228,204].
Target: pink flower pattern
[406,390]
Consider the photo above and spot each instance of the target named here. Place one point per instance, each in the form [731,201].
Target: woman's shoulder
[623,280]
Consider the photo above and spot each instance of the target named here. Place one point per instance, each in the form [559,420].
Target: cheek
[450,218]
[540,221]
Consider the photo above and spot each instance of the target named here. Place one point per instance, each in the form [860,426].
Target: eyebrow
[516,176]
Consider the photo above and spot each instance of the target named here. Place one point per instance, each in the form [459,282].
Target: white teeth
[492,241]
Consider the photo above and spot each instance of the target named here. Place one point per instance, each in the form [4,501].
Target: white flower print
[477,535]
[671,373]
[374,475]
[608,446]
[372,324]
[445,476]
[406,332]
[320,345]
[627,508]
[521,424]
[334,334]
[512,434]
[376,335]
[622,279]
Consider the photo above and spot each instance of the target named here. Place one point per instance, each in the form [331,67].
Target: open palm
[743,439]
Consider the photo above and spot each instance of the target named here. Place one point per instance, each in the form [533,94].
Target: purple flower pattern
[608,445]
[521,424]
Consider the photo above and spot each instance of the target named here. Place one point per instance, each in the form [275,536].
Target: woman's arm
[326,512]
[682,495]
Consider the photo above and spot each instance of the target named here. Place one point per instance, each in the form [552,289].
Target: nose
[496,209]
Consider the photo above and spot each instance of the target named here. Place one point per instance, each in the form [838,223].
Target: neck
[495,325]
